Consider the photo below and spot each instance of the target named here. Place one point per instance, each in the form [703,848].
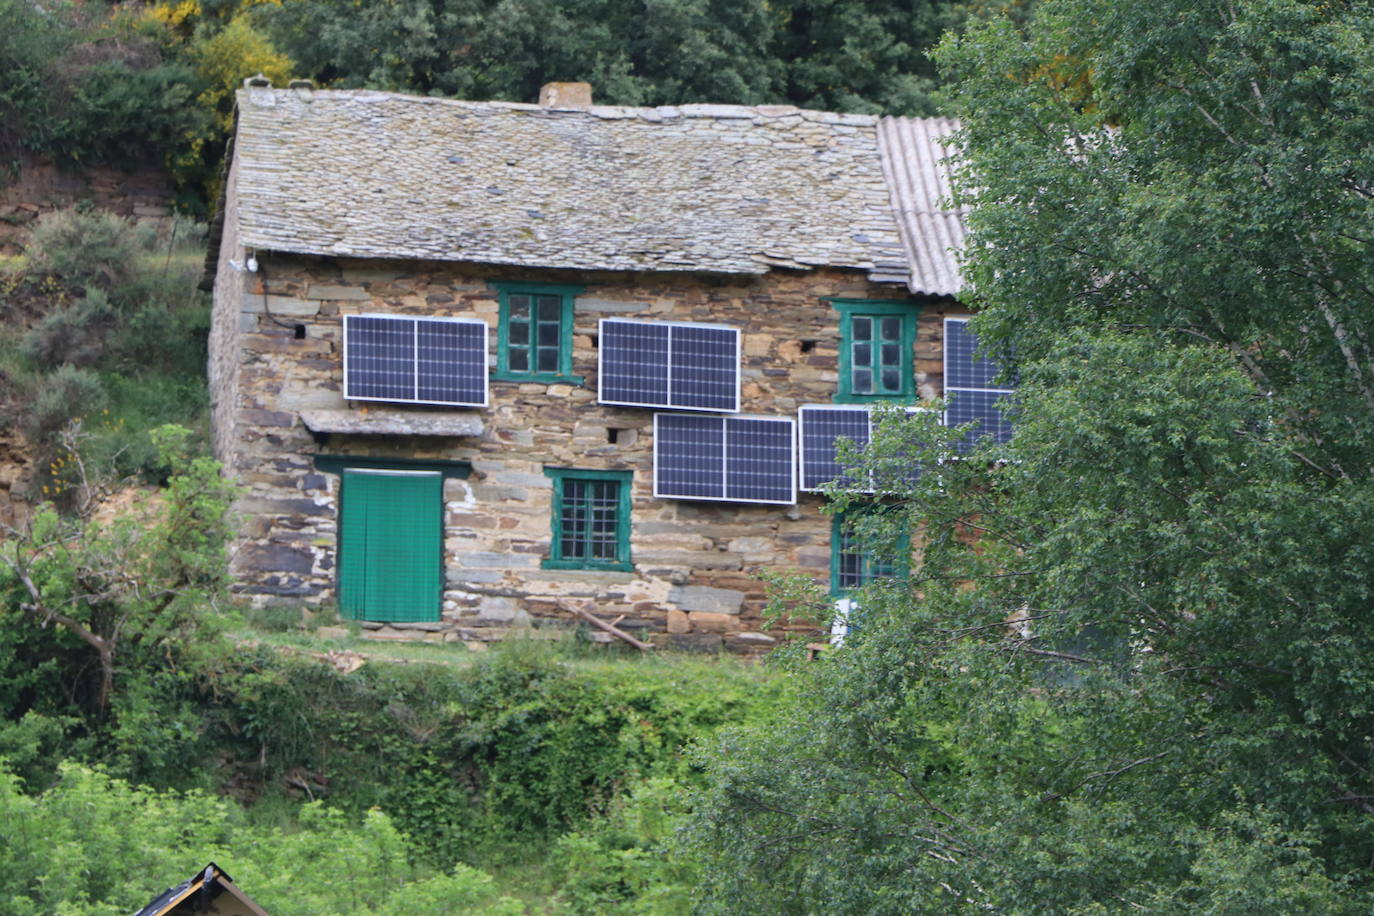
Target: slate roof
[712,188]
[913,151]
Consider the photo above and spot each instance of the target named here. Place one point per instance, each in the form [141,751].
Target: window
[852,565]
[876,341]
[591,519]
[411,360]
[536,333]
[727,459]
[669,364]
[972,388]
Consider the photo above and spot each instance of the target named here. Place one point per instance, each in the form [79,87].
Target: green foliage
[93,845]
[91,86]
[62,396]
[117,438]
[624,861]
[511,750]
[75,335]
[123,340]
[85,85]
[92,248]
[1133,668]
[130,590]
[855,56]
[32,746]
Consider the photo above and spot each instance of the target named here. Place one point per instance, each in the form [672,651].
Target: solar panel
[379,358]
[821,426]
[729,459]
[760,458]
[669,364]
[971,388]
[689,456]
[634,363]
[451,362]
[968,405]
[703,368]
[411,360]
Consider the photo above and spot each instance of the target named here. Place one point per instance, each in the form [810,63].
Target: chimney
[575,96]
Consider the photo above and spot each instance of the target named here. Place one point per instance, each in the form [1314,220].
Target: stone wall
[41,186]
[696,580]
[228,320]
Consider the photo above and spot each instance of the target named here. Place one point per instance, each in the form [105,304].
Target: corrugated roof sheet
[913,153]
[715,188]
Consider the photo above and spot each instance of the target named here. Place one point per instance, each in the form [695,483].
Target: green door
[391,545]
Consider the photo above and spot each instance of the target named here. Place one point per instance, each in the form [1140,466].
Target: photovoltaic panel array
[669,364]
[415,360]
[822,425]
[971,387]
[729,459]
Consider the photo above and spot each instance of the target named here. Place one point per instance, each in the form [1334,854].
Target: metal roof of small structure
[712,188]
[914,152]
[213,881]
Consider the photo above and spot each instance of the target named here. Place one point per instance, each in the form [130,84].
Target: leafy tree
[633,53]
[857,55]
[129,588]
[862,55]
[1133,670]
[85,85]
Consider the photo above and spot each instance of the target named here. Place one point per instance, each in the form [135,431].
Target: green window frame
[590,519]
[851,566]
[877,343]
[534,343]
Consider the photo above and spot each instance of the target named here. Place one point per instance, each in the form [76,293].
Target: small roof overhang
[372,422]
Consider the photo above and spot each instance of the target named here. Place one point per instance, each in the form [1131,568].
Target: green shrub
[509,751]
[94,845]
[85,85]
[98,248]
[60,396]
[77,334]
[117,439]
[167,336]
[33,745]
[623,862]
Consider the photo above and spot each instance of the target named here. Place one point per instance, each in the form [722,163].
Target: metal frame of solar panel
[737,459]
[968,378]
[674,364]
[818,428]
[410,359]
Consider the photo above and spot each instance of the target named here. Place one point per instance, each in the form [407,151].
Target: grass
[590,657]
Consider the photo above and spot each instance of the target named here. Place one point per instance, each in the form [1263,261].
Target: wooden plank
[609,628]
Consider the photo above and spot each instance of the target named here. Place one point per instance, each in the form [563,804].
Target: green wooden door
[391,545]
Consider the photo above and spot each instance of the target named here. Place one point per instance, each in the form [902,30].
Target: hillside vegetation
[1132,672]
[87,82]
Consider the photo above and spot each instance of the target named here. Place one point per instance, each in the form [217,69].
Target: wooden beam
[609,628]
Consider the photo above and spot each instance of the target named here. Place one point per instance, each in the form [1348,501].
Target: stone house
[481,364]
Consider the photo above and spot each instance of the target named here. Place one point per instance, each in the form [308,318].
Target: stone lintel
[392,422]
